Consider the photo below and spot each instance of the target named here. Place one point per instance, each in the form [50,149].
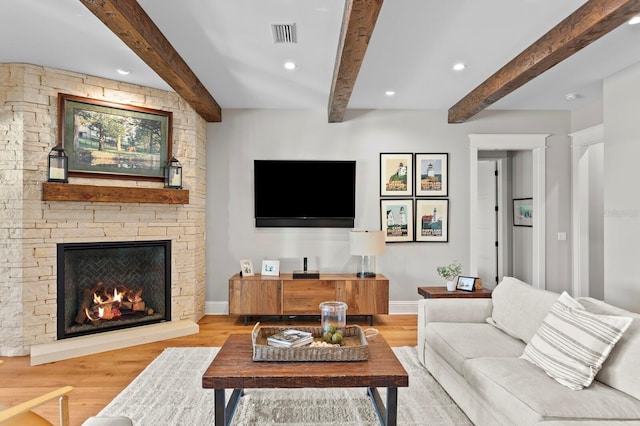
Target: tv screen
[299,193]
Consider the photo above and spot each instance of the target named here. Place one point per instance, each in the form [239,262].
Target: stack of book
[290,338]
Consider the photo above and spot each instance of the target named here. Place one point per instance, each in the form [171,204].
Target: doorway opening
[536,144]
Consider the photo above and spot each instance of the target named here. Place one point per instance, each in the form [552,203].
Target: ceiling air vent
[284,33]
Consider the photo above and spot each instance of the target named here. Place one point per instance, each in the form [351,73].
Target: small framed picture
[246,268]
[523,212]
[432,220]
[432,175]
[466,283]
[271,267]
[396,174]
[396,218]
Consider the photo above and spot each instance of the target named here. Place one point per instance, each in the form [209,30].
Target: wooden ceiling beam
[587,24]
[359,20]
[131,24]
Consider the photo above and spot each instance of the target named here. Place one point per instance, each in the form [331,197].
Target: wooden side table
[442,293]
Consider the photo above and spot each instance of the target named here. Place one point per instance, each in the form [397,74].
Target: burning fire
[101,303]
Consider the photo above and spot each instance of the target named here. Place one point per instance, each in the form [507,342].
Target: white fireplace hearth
[109,341]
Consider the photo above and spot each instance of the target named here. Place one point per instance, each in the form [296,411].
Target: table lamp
[366,244]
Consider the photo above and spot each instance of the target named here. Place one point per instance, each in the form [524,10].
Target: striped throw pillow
[571,344]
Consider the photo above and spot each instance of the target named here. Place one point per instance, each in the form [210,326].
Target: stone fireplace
[111,286]
[32,228]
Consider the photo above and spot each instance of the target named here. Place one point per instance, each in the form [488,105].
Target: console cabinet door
[254,297]
[303,297]
[363,296]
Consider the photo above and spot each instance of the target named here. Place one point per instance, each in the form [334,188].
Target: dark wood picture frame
[110,140]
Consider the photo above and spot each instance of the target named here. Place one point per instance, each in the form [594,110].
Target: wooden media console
[284,295]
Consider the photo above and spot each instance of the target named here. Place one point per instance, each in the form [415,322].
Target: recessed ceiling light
[571,96]
[123,71]
[390,92]
[634,20]
[290,65]
[459,66]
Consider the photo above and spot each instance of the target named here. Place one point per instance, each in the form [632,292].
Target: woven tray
[354,348]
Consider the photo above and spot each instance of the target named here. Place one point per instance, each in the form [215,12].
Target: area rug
[169,392]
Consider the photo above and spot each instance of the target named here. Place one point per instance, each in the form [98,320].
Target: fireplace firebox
[112,285]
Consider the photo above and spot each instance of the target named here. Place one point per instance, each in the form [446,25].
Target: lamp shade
[366,243]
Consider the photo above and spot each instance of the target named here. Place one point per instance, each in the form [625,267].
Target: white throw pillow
[572,344]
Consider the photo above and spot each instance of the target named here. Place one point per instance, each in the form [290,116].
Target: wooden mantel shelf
[112,194]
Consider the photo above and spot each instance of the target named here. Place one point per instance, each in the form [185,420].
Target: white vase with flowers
[450,272]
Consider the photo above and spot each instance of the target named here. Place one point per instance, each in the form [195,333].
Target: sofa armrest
[449,310]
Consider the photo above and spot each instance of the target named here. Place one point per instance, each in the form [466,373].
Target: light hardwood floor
[98,378]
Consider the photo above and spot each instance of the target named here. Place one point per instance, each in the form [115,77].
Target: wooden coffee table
[234,368]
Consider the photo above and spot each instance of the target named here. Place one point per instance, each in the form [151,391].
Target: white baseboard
[111,340]
[395,308]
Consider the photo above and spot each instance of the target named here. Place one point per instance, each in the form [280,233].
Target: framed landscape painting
[396,216]
[432,220]
[107,139]
[396,174]
[432,175]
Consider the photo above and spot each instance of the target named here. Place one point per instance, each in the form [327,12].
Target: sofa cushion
[526,395]
[457,342]
[622,368]
[518,308]
[572,344]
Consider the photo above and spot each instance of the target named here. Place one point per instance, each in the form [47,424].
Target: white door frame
[513,142]
[580,204]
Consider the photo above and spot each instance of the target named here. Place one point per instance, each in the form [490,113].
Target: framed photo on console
[271,267]
[246,268]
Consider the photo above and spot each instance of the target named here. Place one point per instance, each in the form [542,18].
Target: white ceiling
[229,46]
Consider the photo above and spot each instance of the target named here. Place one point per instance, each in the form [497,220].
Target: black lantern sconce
[173,176]
[58,165]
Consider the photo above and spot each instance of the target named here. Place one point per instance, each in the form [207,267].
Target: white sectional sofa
[473,348]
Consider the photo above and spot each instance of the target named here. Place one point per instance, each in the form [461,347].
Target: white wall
[621,177]
[245,135]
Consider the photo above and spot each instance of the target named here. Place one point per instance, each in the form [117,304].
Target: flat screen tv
[305,193]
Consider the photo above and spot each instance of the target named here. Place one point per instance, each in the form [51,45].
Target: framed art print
[108,139]
[396,174]
[246,268]
[432,175]
[396,216]
[523,212]
[270,267]
[432,220]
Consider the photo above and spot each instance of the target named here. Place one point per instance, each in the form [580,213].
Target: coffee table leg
[224,414]
[387,415]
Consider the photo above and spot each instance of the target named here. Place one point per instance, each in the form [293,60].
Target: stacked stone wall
[30,228]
